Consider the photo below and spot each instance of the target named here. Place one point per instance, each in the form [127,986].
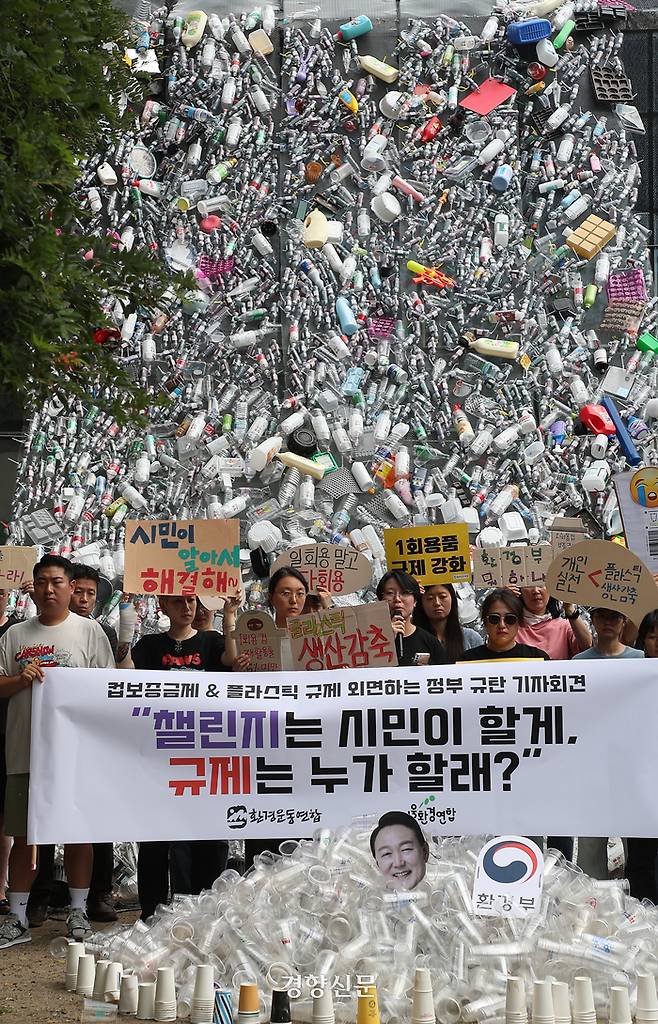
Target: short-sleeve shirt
[73,643]
[520,652]
[201,653]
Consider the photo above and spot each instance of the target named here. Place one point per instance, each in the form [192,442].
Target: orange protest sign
[182,556]
[603,575]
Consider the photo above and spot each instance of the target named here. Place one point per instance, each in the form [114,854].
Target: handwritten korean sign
[257,635]
[519,566]
[16,564]
[603,575]
[338,568]
[431,554]
[357,637]
[182,556]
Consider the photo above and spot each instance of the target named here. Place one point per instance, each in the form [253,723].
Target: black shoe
[37,914]
[102,909]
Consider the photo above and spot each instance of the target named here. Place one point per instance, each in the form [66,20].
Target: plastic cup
[99,980]
[129,994]
[146,1000]
[113,982]
[86,971]
[422,1007]
[620,1007]
[73,953]
[92,1010]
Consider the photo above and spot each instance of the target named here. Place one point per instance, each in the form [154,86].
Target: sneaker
[102,909]
[78,925]
[37,914]
[12,932]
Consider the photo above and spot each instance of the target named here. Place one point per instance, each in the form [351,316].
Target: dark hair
[648,625]
[404,581]
[615,611]
[454,637]
[280,574]
[510,600]
[399,818]
[53,562]
[86,572]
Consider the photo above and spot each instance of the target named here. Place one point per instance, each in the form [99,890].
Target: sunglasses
[494,618]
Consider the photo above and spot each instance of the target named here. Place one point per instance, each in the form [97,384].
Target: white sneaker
[12,932]
[77,924]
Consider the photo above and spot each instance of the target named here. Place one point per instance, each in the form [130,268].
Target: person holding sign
[544,627]
[502,614]
[437,613]
[414,645]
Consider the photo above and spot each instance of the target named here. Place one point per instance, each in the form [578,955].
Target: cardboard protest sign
[336,567]
[565,531]
[603,575]
[517,566]
[16,564]
[257,635]
[431,554]
[360,636]
[637,494]
[182,556]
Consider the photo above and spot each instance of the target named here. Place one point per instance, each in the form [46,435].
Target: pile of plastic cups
[318,915]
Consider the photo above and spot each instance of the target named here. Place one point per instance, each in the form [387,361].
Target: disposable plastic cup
[73,953]
[620,1008]
[59,947]
[165,986]
[92,1011]
[113,982]
[86,971]
[99,979]
[129,994]
[146,1000]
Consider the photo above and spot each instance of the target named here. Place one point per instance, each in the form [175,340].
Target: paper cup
[323,1007]
[583,1001]
[129,994]
[86,971]
[515,1004]
[113,982]
[223,1012]
[422,1007]
[620,1007]
[646,1008]
[146,1000]
[367,1007]
[561,1003]
[542,1003]
[249,1000]
[280,1012]
[165,1011]
[165,987]
[203,999]
[73,953]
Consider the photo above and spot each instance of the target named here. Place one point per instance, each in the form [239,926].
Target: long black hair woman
[437,613]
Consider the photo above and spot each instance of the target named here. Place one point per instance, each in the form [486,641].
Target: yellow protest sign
[431,554]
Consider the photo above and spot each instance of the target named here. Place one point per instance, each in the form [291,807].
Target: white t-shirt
[73,643]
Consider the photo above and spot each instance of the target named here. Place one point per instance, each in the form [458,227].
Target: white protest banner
[564,748]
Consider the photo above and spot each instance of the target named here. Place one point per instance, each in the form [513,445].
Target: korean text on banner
[182,556]
[465,749]
[431,554]
[16,564]
[358,636]
[336,567]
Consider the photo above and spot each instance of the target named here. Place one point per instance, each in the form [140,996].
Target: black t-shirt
[520,652]
[420,642]
[201,653]
[4,701]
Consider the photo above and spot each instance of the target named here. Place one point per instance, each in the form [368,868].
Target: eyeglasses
[494,618]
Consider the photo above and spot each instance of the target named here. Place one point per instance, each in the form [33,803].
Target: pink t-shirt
[555,636]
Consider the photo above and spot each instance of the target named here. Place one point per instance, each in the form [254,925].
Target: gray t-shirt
[471,638]
[593,655]
[74,643]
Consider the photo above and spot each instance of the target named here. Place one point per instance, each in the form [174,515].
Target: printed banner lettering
[469,749]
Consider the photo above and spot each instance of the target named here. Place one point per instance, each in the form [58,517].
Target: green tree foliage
[62,75]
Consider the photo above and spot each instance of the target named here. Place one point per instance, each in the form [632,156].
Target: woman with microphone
[415,646]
